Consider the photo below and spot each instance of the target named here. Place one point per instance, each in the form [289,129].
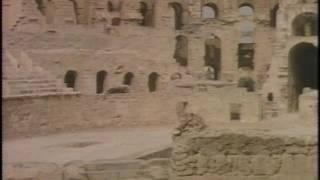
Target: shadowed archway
[303,72]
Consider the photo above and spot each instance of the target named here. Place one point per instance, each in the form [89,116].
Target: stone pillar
[86,82]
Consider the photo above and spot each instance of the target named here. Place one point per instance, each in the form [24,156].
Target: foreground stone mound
[244,155]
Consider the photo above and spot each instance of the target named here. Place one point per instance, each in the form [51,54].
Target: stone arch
[210,11]
[212,56]
[273,15]
[181,50]
[246,9]
[128,78]
[178,14]
[70,79]
[305,24]
[101,79]
[303,69]
[147,14]
[153,81]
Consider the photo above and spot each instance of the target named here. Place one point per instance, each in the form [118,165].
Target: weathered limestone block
[186,172]
[158,173]
[73,171]
[202,164]
[219,164]
[296,149]
[241,164]
[264,165]
[295,164]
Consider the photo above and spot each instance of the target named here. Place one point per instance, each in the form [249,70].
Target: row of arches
[304,24]
[70,79]
[212,56]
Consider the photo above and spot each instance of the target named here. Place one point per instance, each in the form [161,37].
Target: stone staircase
[22,78]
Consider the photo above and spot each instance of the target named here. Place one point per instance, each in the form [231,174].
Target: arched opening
[147,14]
[178,15]
[101,81]
[303,71]
[116,21]
[75,9]
[246,9]
[110,7]
[70,79]
[181,51]
[248,83]
[209,11]
[143,12]
[273,16]
[212,56]
[153,82]
[40,6]
[305,25]
[128,78]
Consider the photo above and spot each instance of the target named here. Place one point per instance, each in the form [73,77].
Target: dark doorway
[181,51]
[101,81]
[273,16]
[212,56]
[70,79]
[246,55]
[153,82]
[128,78]
[178,15]
[303,72]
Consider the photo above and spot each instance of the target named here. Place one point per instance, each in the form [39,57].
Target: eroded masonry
[85,64]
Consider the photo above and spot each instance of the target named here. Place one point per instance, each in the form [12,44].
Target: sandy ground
[126,143]
[86,146]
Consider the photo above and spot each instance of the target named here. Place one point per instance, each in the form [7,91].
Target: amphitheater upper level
[150,13]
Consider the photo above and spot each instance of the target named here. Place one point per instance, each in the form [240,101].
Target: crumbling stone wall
[235,155]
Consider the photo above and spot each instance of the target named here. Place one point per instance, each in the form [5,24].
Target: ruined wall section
[249,155]
[277,76]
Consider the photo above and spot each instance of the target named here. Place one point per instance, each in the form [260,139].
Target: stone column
[86,82]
